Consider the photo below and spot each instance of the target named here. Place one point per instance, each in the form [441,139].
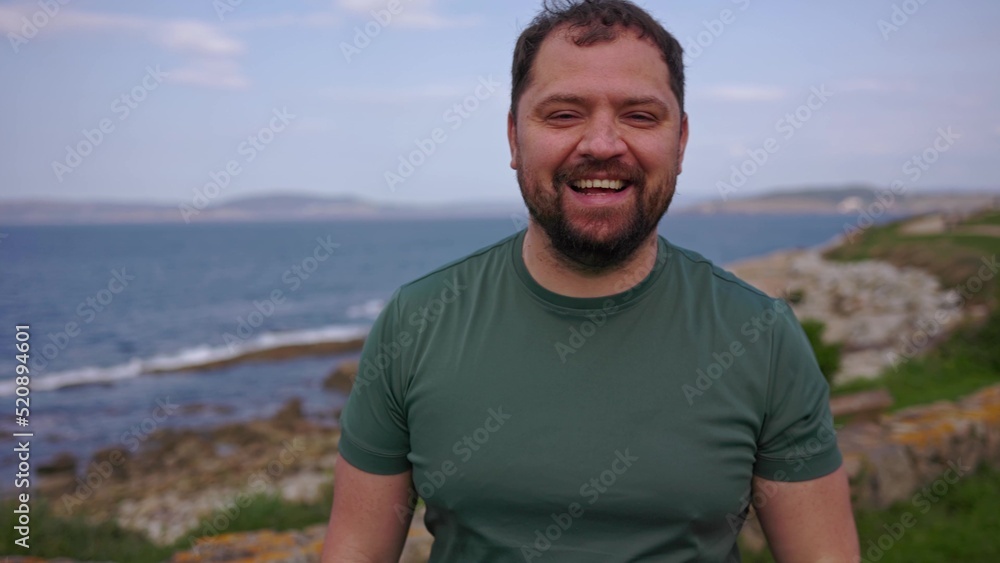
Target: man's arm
[370,517]
[808,521]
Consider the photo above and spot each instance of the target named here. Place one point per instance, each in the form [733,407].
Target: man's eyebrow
[629,102]
[562,99]
[648,101]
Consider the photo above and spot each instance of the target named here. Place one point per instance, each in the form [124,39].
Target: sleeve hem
[372,462]
[801,469]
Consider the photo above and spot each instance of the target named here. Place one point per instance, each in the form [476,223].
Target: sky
[405,101]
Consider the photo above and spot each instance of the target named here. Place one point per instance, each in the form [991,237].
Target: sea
[118,315]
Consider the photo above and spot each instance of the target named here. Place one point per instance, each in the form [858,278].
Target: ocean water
[117,312]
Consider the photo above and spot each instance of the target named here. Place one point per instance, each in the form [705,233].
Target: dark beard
[579,251]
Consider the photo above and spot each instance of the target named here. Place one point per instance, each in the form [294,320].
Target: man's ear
[512,139]
[682,145]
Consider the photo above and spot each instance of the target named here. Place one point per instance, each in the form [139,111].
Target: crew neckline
[584,305]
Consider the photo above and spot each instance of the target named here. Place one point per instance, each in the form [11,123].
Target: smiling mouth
[598,187]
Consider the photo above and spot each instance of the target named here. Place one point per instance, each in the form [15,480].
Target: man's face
[597,145]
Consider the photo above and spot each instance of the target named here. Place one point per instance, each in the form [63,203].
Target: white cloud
[316,20]
[419,14]
[873,85]
[425,20]
[395,95]
[12,19]
[214,64]
[362,6]
[745,93]
[213,73]
[737,150]
[196,37]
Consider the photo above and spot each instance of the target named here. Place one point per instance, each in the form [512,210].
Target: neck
[551,271]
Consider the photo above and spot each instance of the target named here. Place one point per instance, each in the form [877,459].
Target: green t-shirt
[620,428]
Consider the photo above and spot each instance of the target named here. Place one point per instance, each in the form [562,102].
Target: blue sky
[300,97]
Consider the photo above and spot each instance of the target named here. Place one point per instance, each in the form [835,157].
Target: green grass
[268,512]
[954,259]
[968,361]
[56,537]
[960,526]
[989,218]
[970,358]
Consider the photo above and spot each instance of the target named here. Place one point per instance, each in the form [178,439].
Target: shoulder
[452,279]
[712,281]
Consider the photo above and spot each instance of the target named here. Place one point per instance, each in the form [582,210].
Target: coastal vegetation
[960,526]
[964,259]
[55,536]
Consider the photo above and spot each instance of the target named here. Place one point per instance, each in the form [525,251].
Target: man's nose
[602,139]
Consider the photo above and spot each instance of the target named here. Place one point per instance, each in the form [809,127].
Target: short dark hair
[594,21]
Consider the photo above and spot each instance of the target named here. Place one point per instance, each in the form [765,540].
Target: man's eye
[642,117]
[562,116]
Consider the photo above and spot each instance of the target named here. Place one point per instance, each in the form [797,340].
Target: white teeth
[615,185]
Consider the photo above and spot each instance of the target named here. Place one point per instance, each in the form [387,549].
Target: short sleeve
[374,433]
[797,441]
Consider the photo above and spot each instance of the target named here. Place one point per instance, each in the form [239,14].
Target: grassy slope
[970,359]
[986,219]
[54,537]
[960,526]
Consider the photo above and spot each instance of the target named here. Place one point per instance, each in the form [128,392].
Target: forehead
[627,63]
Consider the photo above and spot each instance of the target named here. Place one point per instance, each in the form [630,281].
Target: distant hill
[277,207]
[309,207]
[849,200]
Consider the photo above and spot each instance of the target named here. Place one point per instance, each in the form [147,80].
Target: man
[584,390]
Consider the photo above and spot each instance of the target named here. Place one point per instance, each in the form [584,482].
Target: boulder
[342,377]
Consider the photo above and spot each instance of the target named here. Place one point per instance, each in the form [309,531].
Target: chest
[512,425]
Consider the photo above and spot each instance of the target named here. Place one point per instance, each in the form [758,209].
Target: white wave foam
[367,310]
[186,359]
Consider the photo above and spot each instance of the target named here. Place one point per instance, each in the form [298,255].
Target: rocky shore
[168,488]
[879,313]
[888,460]
[180,476]
[882,315]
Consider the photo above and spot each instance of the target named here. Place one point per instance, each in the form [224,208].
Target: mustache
[631,174]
